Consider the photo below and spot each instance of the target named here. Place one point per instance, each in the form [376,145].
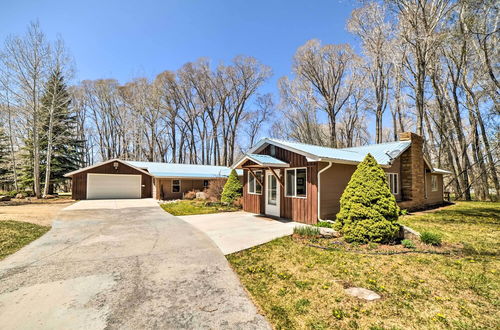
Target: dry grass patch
[299,286]
[193,207]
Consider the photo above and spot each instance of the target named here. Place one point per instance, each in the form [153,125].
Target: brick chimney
[413,170]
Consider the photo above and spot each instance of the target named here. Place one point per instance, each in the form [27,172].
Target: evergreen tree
[4,158]
[232,189]
[58,125]
[368,209]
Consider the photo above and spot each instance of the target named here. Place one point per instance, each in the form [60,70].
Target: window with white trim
[205,183]
[434,183]
[296,182]
[253,185]
[393,181]
[176,186]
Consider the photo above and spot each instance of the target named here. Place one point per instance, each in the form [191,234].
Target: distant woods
[427,66]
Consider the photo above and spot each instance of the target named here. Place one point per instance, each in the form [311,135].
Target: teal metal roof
[265,159]
[382,152]
[184,170]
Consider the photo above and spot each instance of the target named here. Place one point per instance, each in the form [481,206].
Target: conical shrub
[368,209]
[232,189]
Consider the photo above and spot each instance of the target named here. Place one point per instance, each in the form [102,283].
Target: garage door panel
[103,186]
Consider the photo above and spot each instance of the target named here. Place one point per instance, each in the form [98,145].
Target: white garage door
[103,186]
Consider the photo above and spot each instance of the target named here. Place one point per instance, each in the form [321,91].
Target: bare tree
[327,68]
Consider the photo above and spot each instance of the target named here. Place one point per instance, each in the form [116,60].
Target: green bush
[430,238]
[232,189]
[368,209]
[306,231]
[407,243]
[324,224]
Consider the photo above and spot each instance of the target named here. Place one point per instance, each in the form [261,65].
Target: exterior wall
[434,197]
[164,188]
[79,180]
[335,179]
[294,208]
[413,170]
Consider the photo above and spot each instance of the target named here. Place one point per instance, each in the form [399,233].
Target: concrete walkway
[236,231]
[122,264]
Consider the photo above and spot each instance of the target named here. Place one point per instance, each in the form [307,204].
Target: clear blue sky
[127,39]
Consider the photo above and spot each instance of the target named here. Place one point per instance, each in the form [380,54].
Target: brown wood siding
[252,203]
[164,188]
[303,210]
[79,184]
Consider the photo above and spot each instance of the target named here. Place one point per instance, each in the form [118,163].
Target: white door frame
[272,207]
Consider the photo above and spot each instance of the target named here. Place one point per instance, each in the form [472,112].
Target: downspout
[319,188]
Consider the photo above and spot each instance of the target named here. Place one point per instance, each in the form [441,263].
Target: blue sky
[127,39]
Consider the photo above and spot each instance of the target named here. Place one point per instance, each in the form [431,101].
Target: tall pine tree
[60,147]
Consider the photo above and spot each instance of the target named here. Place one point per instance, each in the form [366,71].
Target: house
[117,178]
[304,182]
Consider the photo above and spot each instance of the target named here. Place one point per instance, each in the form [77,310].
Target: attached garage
[113,179]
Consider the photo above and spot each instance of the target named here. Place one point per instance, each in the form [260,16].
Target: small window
[296,182]
[272,150]
[393,181]
[253,186]
[434,183]
[205,183]
[176,186]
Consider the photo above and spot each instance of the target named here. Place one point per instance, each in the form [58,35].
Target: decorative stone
[20,196]
[362,293]
[201,195]
[4,198]
[49,197]
[408,233]
[328,232]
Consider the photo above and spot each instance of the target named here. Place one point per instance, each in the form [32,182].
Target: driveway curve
[122,264]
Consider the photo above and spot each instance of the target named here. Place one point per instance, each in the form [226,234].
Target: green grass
[192,207]
[302,287]
[15,234]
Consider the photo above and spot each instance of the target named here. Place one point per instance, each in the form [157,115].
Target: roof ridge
[307,144]
[375,144]
[140,161]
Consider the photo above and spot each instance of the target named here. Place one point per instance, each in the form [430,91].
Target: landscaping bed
[300,282]
[14,235]
[193,207]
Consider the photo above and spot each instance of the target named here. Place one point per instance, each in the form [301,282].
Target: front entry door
[272,195]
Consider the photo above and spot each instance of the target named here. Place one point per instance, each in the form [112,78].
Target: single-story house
[118,178]
[304,182]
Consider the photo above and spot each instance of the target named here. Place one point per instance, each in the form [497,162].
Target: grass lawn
[299,286]
[192,207]
[14,235]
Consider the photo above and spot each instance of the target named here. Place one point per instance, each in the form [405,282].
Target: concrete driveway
[236,231]
[122,264]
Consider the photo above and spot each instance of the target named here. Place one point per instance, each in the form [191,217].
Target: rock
[20,196]
[362,293]
[328,232]
[201,195]
[5,198]
[49,197]
[408,233]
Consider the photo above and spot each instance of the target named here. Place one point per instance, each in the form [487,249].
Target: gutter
[319,188]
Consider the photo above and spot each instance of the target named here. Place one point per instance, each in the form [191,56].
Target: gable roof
[263,160]
[70,174]
[384,153]
[170,170]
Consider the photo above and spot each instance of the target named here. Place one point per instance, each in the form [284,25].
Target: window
[393,181]
[272,150]
[205,183]
[434,183]
[296,181]
[253,186]
[176,186]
